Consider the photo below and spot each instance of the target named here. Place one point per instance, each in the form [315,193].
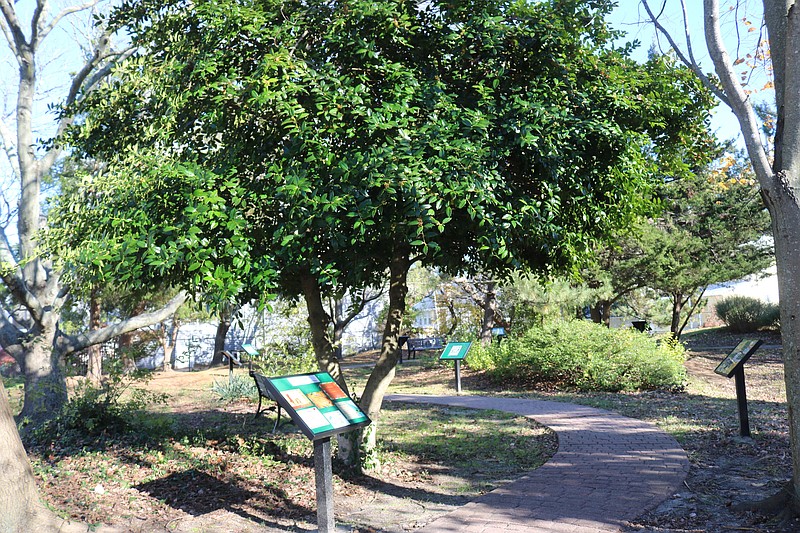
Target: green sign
[250,350]
[455,350]
[738,357]
[317,404]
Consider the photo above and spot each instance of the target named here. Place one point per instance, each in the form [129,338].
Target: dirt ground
[725,468]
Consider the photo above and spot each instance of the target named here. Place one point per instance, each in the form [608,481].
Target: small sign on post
[456,351]
[499,333]
[321,409]
[733,366]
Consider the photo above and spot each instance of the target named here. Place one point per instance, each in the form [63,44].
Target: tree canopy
[308,146]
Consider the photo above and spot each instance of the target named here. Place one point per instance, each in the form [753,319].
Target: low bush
[743,314]
[585,355]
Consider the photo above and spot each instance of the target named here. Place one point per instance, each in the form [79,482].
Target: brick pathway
[608,469]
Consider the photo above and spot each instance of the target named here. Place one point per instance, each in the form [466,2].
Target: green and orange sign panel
[317,404]
[455,351]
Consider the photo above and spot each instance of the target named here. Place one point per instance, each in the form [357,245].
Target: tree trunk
[601,312]
[786,222]
[22,511]
[677,308]
[45,387]
[384,371]
[94,369]
[169,343]
[339,323]
[320,322]
[489,313]
[223,326]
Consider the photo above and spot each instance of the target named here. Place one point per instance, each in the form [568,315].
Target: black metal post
[324,479]
[741,399]
[458,375]
[230,371]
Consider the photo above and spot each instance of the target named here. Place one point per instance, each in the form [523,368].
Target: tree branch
[12,277]
[355,310]
[737,100]
[9,147]
[43,29]
[688,61]
[83,82]
[69,344]
[12,29]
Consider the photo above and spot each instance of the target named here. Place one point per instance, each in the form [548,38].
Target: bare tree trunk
[94,369]
[489,312]
[45,387]
[22,511]
[677,308]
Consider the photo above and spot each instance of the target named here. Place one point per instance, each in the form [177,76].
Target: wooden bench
[421,344]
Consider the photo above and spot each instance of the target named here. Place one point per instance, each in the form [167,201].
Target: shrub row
[743,314]
[585,355]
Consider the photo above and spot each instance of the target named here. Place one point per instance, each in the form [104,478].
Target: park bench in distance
[421,344]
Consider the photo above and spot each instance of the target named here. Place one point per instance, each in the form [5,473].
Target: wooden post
[324,478]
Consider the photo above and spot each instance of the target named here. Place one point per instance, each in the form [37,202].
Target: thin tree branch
[44,29]
[69,344]
[688,61]
[12,29]
[7,138]
[738,100]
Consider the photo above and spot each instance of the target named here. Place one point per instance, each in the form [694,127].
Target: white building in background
[763,286]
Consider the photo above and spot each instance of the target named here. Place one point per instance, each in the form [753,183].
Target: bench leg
[277,419]
[259,408]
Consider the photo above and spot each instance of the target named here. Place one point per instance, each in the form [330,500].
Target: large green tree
[341,142]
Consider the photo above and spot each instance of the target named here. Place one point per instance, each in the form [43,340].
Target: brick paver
[608,469]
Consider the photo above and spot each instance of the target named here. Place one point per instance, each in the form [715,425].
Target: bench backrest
[261,384]
[426,343]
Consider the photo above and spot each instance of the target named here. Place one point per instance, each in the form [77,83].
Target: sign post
[321,409]
[733,365]
[456,351]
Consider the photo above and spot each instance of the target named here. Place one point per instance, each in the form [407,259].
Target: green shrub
[107,409]
[584,355]
[743,314]
[235,388]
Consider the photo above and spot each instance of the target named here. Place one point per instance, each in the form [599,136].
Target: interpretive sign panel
[455,350]
[250,349]
[738,357]
[317,404]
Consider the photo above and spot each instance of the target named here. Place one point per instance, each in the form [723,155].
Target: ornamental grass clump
[587,356]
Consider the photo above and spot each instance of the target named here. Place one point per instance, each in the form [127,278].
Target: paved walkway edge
[608,470]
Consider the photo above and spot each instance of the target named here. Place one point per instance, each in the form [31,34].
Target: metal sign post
[456,351]
[741,402]
[733,366]
[324,479]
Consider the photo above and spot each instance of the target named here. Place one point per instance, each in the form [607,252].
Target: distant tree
[29,327]
[714,229]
